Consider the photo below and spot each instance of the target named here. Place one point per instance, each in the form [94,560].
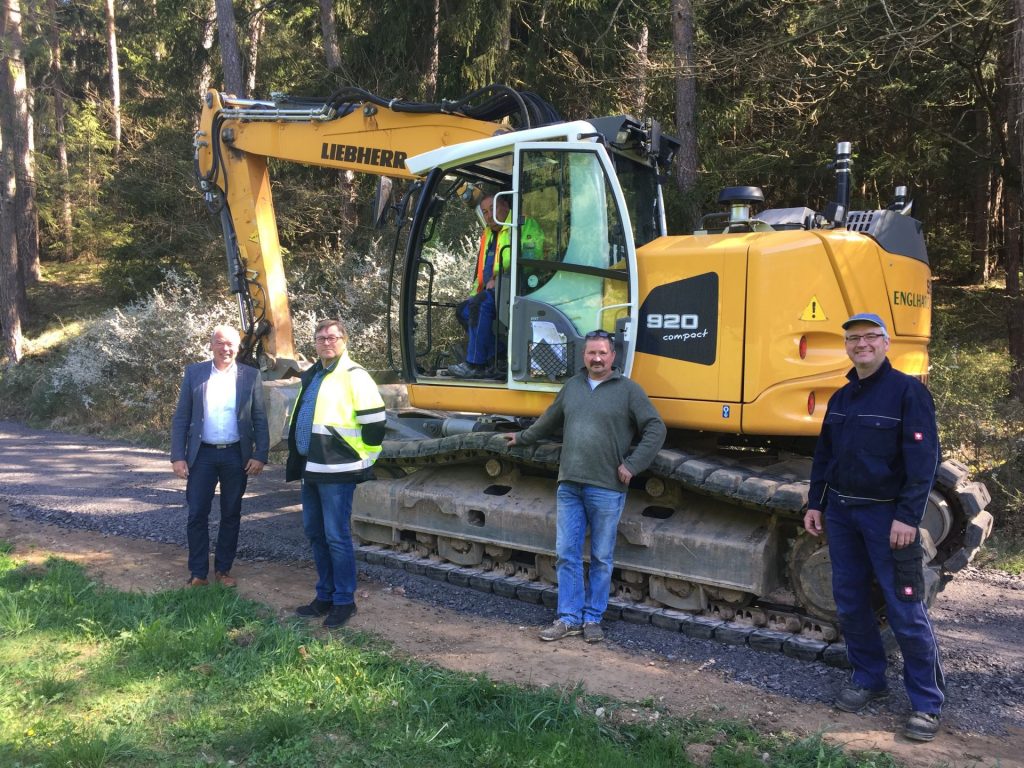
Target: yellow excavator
[733,331]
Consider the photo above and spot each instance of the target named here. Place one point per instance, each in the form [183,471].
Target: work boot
[314,609]
[460,370]
[195,581]
[339,615]
[558,630]
[854,699]
[470,371]
[592,632]
[921,726]
[224,579]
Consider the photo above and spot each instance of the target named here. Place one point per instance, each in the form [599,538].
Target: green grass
[91,677]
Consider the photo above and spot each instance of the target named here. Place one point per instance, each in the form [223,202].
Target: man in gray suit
[218,434]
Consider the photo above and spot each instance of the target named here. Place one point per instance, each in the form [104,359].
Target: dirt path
[449,639]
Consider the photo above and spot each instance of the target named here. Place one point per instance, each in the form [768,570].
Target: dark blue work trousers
[858,542]
[476,314]
[212,466]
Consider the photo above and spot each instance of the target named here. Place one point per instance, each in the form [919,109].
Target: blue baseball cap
[866,317]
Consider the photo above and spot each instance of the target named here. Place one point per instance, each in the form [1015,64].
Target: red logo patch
[918,437]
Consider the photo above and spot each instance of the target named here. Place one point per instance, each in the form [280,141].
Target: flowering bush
[122,373]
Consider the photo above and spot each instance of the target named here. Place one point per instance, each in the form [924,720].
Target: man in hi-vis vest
[336,431]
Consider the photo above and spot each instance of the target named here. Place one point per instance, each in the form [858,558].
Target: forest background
[111,271]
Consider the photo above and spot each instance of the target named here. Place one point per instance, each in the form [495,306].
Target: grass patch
[97,678]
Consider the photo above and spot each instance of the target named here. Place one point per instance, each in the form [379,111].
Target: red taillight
[810,404]
[803,347]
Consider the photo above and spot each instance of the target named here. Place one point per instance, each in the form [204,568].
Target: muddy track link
[537,593]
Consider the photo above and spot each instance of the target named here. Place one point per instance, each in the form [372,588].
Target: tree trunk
[12,282]
[12,287]
[206,73]
[257,24]
[115,75]
[981,210]
[329,27]
[686,108]
[19,141]
[434,54]
[332,58]
[57,80]
[230,54]
[1012,200]
[640,70]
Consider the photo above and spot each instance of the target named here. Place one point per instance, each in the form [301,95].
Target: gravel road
[115,489]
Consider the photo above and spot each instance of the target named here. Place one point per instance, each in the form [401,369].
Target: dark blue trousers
[476,315]
[213,466]
[858,542]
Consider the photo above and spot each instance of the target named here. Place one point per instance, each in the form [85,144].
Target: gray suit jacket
[187,422]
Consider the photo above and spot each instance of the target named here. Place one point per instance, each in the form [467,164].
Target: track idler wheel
[810,574]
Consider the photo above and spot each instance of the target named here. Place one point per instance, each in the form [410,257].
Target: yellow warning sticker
[813,311]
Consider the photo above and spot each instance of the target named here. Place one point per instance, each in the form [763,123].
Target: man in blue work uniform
[873,469]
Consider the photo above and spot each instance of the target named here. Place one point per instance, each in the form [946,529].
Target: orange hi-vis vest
[532,243]
[502,253]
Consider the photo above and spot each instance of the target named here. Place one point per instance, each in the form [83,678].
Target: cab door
[573,263]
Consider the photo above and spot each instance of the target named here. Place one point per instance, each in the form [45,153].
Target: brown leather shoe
[224,579]
[195,581]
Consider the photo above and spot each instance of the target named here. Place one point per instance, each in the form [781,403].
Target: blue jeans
[858,543]
[477,316]
[580,506]
[213,465]
[326,518]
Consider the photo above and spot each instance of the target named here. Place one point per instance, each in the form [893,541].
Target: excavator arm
[352,130]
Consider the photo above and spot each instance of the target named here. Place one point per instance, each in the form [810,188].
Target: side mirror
[382,202]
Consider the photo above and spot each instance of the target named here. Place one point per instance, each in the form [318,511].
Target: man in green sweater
[599,412]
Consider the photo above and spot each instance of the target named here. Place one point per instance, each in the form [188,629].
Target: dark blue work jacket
[878,444]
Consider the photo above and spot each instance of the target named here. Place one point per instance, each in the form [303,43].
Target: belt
[221,445]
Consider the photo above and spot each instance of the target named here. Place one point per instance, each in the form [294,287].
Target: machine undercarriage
[709,539]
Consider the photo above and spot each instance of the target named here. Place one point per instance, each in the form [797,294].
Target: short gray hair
[225,330]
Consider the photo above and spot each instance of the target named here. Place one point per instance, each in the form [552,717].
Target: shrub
[122,373]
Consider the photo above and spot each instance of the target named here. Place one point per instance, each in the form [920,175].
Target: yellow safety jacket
[348,426]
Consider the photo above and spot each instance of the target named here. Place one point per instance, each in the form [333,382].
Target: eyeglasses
[328,339]
[600,335]
[870,338]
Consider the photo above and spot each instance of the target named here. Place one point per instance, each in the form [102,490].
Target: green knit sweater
[598,428]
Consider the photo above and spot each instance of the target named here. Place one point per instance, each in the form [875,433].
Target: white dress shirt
[220,425]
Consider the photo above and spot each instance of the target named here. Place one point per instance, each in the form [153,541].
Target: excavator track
[473,511]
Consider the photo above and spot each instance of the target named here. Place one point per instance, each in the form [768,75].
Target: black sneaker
[921,726]
[314,609]
[854,699]
[339,615]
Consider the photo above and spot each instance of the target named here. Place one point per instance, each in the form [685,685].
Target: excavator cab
[572,261]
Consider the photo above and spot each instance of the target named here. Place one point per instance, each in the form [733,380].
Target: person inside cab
[477,313]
